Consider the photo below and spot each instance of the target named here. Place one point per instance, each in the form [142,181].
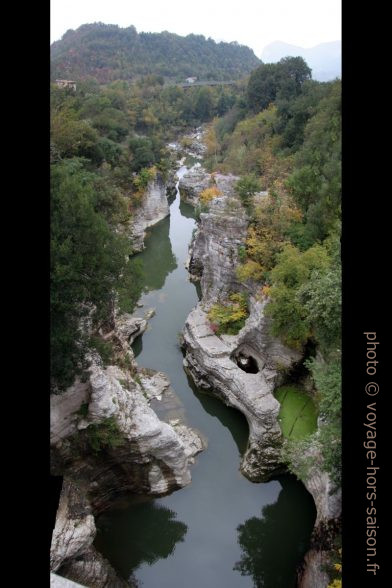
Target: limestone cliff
[154,207]
[213,361]
[193,183]
[327,499]
[107,441]
[72,552]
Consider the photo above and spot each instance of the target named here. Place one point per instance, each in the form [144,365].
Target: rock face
[72,553]
[328,505]
[215,249]
[214,362]
[148,456]
[107,441]
[211,361]
[154,208]
[193,183]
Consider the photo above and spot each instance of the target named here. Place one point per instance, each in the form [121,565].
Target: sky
[255,23]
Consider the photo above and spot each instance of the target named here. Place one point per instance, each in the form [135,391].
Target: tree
[88,262]
[271,80]
[246,187]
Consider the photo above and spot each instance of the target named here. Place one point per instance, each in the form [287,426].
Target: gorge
[221,516]
[195,369]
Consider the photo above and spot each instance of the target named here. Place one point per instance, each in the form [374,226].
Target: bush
[104,435]
[208,194]
[251,270]
[246,187]
[295,454]
[104,348]
[143,178]
[229,318]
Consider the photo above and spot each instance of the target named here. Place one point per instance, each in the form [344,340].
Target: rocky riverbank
[213,360]
[106,439]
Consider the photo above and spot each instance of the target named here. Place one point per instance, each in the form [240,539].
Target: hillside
[324,59]
[108,52]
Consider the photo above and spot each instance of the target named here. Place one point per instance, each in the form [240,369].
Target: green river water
[221,531]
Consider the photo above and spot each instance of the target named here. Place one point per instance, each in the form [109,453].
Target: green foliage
[104,435]
[229,318]
[104,348]
[87,262]
[289,314]
[144,177]
[242,253]
[316,180]
[331,450]
[295,454]
[109,52]
[272,80]
[327,378]
[246,187]
[322,299]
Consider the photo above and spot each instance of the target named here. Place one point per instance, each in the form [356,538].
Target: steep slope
[108,52]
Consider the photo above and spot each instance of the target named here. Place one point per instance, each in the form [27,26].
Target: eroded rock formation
[72,552]
[193,183]
[107,441]
[214,361]
[210,361]
[154,207]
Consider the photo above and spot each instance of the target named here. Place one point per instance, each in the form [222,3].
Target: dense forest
[108,53]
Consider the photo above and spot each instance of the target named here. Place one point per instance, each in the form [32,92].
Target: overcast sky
[255,23]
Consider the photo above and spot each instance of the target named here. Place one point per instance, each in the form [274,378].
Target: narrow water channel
[221,531]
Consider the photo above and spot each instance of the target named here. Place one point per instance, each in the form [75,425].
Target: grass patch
[104,435]
[298,413]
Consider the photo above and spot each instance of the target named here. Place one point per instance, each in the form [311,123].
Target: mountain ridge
[109,52]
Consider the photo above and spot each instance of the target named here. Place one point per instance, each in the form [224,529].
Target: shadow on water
[209,545]
[187,210]
[229,417]
[157,258]
[143,532]
[273,544]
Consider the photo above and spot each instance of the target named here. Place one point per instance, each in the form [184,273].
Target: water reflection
[158,259]
[187,210]
[274,544]
[143,532]
[229,417]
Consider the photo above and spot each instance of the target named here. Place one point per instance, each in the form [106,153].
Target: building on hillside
[66,84]
[191,80]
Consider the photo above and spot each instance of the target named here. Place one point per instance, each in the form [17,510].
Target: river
[221,531]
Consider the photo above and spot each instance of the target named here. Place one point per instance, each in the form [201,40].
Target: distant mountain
[323,59]
[108,52]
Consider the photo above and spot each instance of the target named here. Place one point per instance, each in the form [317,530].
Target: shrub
[250,270]
[145,176]
[208,194]
[246,187]
[104,435]
[230,317]
[104,348]
[295,454]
